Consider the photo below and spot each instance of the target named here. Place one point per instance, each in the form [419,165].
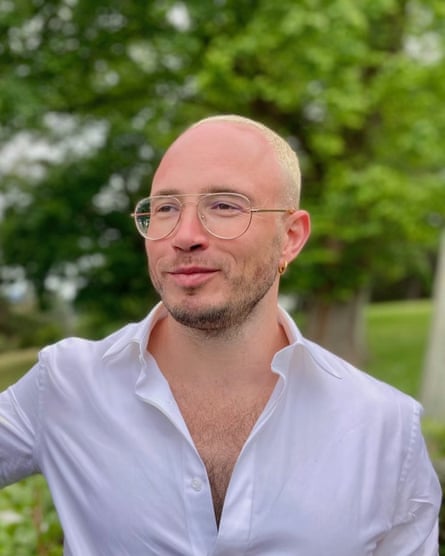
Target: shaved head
[286,156]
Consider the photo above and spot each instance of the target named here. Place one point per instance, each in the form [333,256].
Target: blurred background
[92,93]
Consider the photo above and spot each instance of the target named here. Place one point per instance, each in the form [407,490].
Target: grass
[397,340]
[14,364]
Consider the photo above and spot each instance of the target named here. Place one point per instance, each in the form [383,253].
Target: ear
[298,229]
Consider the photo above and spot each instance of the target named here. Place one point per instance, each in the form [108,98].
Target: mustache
[191,260]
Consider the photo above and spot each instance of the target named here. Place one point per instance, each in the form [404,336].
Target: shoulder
[360,396]
[83,354]
[330,378]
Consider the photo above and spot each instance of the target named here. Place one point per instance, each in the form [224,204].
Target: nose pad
[202,219]
[190,229]
[193,213]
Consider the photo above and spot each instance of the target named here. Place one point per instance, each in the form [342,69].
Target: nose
[190,233]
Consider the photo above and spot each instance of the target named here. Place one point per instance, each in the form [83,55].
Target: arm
[19,411]
[414,530]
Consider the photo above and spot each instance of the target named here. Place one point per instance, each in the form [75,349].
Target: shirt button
[196,484]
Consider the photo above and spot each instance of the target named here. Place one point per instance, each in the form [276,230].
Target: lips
[192,276]
[192,270]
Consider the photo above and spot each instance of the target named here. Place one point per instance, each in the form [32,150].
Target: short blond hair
[286,156]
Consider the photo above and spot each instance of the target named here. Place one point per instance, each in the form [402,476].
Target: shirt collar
[291,356]
[135,333]
[138,333]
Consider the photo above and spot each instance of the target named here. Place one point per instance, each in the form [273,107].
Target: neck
[233,356]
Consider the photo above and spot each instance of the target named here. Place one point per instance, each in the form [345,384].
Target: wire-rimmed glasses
[224,215]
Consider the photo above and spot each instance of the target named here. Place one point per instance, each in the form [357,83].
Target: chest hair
[219,429]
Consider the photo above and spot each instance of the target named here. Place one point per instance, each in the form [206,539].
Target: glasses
[224,215]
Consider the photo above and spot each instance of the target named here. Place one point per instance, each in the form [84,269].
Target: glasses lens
[156,217]
[225,215]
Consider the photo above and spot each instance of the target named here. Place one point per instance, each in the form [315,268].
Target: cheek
[153,256]
[153,252]
[267,249]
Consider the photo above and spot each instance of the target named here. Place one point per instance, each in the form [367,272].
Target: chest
[141,488]
[219,429]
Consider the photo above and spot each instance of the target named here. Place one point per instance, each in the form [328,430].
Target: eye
[166,207]
[223,206]
[226,206]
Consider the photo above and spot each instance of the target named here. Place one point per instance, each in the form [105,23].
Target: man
[213,427]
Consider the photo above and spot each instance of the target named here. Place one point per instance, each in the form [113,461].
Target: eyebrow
[210,189]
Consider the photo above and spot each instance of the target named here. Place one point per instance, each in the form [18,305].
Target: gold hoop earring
[282,268]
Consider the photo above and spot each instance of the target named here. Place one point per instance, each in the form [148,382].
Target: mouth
[192,276]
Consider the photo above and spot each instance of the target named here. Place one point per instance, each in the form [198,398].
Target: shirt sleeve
[19,424]
[414,530]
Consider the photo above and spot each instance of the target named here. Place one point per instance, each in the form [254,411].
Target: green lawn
[397,339]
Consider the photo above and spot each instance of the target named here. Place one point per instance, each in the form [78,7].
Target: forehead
[219,155]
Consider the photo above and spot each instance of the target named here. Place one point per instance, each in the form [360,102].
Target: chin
[199,316]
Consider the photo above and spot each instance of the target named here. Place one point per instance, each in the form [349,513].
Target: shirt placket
[197,497]
[199,512]
[234,532]
[236,520]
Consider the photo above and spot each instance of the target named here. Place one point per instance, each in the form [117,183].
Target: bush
[28,520]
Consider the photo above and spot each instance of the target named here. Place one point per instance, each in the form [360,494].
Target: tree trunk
[433,387]
[340,326]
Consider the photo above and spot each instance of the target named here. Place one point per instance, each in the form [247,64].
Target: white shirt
[335,466]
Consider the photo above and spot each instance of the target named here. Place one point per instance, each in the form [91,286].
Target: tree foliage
[356,87]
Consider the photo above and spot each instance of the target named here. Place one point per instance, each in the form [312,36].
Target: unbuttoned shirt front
[335,466]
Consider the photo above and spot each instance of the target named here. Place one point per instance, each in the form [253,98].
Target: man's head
[205,279]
